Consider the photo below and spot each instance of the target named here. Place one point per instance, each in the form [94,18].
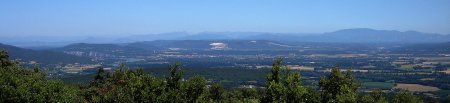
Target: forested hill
[45,57]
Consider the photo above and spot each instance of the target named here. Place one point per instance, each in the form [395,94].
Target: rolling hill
[44,56]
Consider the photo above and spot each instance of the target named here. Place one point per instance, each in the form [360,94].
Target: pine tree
[19,84]
[283,86]
[215,92]
[406,97]
[376,96]
[193,88]
[4,59]
[175,76]
[338,87]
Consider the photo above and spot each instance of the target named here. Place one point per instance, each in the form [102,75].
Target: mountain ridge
[352,35]
[357,35]
[45,56]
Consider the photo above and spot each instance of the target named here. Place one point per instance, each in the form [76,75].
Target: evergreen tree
[338,87]
[175,76]
[406,97]
[125,85]
[375,97]
[4,59]
[283,86]
[19,84]
[215,92]
[173,93]
[193,88]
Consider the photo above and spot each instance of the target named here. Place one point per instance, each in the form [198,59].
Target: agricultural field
[407,67]
[446,71]
[416,87]
[381,85]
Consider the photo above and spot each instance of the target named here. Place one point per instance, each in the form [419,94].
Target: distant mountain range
[356,35]
[46,56]
[377,36]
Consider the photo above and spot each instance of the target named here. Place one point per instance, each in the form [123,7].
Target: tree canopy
[20,84]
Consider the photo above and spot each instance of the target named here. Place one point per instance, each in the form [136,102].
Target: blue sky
[130,17]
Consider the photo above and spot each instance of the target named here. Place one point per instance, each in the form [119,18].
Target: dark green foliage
[100,77]
[406,97]
[375,97]
[193,88]
[227,77]
[250,93]
[126,85]
[45,56]
[175,76]
[4,59]
[215,92]
[18,84]
[275,72]
[242,95]
[284,86]
[338,87]
[446,99]
[173,90]
[312,96]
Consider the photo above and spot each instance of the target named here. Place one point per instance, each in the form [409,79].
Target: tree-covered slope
[42,56]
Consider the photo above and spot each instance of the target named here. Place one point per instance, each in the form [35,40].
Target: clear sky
[117,17]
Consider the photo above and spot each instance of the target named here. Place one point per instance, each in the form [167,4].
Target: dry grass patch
[416,87]
[446,71]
